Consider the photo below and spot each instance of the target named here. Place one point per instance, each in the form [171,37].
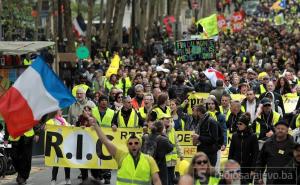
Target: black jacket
[208,135]
[292,169]
[231,123]
[244,148]
[274,156]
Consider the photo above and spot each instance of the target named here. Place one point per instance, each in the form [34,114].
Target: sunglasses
[120,96]
[201,162]
[267,105]
[133,143]
[239,123]
[210,103]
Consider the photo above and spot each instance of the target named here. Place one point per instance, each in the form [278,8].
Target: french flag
[213,75]
[38,91]
[79,26]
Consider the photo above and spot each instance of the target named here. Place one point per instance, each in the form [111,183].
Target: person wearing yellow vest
[148,103]
[200,172]
[127,117]
[134,167]
[112,82]
[104,117]
[21,153]
[160,108]
[57,119]
[178,115]
[262,88]
[263,125]
[27,60]
[171,158]
[225,105]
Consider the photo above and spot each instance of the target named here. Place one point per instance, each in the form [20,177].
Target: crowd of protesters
[150,90]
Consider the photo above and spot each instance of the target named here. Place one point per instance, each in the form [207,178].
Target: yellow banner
[114,66]
[196,99]
[290,102]
[77,147]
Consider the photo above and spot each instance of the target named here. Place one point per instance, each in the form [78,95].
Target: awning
[22,47]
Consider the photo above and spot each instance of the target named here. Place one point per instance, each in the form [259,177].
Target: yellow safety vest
[276,118]
[298,121]
[128,174]
[222,112]
[159,111]
[262,89]
[133,121]
[109,86]
[128,85]
[211,181]
[172,137]
[29,133]
[52,122]
[27,62]
[75,88]
[107,118]
[142,112]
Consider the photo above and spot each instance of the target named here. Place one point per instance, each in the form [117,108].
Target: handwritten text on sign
[195,50]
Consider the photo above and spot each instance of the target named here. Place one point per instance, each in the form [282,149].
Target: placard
[195,50]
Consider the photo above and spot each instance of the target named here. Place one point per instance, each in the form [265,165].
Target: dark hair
[245,118]
[133,136]
[216,105]
[200,108]
[286,87]
[226,95]
[157,127]
[118,94]
[162,98]
[219,83]
[180,79]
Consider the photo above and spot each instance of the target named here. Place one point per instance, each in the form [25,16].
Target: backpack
[149,145]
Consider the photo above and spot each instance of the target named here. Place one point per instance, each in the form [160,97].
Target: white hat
[166,61]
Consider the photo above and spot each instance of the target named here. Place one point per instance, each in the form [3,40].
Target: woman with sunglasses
[118,103]
[199,172]
[244,147]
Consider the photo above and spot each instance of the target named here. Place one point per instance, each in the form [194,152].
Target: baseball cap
[265,101]
[282,122]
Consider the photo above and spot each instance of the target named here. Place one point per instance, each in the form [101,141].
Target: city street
[41,175]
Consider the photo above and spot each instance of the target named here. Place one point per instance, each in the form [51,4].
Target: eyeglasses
[120,96]
[201,162]
[133,143]
[233,171]
[265,78]
[239,123]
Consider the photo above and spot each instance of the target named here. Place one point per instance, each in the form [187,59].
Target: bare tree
[208,7]
[110,4]
[143,18]
[89,24]
[68,25]
[118,22]
[151,19]
[0,21]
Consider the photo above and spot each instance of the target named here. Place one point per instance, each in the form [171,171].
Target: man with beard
[134,167]
[276,153]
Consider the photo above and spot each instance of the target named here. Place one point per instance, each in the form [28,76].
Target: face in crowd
[80,95]
[201,164]
[211,105]
[250,95]
[232,172]
[127,103]
[148,100]
[235,107]
[281,131]
[225,101]
[134,146]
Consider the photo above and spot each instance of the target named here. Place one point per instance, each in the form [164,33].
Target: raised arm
[112,149]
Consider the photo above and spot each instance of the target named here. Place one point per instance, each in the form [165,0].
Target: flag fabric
[213,75]
[222,24]
[38,91]
[237,21]
[279,19]
[168,21]
[79,26]
[114,66]
[210,25]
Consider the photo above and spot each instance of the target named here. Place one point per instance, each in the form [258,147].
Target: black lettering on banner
[123,135]
[187,137]
[79,146]
[55,145]
[99,149]
[193,102]
[180,137]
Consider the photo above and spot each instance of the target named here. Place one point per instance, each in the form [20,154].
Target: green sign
[82,52]
[195,50]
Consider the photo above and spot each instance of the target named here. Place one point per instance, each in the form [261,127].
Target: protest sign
[290,102]
[195,50]
[77,147]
